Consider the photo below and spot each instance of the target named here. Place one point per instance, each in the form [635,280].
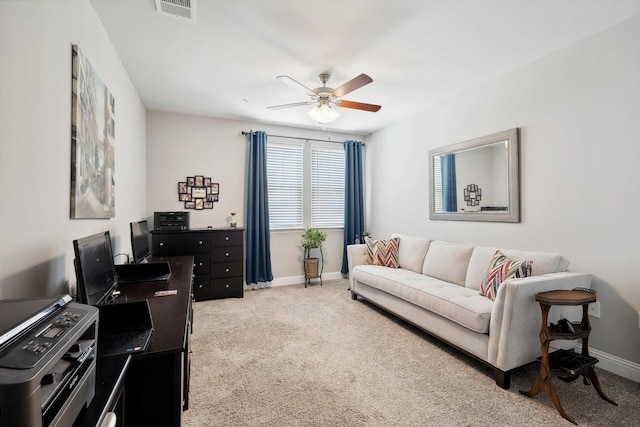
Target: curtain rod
[297,137]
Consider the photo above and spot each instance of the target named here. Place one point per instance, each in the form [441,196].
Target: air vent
[180,8]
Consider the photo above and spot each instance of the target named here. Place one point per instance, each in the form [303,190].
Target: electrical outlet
[594,309]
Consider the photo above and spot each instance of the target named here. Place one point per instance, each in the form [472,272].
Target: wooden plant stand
[312,270]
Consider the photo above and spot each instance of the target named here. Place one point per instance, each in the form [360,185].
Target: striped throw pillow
[383,252]
[500,269]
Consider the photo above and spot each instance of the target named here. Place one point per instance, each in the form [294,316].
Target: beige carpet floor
[290,356]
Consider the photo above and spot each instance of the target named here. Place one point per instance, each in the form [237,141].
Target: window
[306,185]
[437,185]
[327,187]
[285,185]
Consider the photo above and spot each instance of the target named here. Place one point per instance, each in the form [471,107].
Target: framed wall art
[198,192]
[92,142]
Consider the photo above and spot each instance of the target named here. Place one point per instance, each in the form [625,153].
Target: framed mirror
[476,180]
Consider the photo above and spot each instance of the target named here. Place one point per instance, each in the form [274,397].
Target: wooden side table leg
[556,402]
[543,379]
[591,373]
[596,384]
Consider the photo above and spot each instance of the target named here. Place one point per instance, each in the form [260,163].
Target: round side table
[565,364]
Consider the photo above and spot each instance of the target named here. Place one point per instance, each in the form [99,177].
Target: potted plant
[311,238]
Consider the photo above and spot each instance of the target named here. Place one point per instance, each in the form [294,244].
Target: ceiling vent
[180,8]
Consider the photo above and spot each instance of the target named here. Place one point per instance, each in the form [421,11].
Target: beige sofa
[437,287]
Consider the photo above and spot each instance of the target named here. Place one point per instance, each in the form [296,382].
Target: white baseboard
[609,362]
[293,280]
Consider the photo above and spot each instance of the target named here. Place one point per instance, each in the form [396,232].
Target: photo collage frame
[198,192]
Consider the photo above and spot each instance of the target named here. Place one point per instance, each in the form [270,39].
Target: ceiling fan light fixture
[323,113]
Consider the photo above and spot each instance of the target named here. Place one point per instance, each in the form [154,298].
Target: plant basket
[311,268]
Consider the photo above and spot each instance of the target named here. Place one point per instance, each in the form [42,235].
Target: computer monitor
[140,241]
[95,272]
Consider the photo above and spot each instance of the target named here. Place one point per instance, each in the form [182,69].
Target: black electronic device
[171,220]
[47,360]
[95,271]
[146,272]
[563,327]
[140,241]
[141,270]
[124,328]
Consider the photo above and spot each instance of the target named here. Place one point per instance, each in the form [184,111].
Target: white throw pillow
[412,251]
[447,261]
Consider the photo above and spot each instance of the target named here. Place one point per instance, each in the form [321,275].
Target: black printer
[47,360]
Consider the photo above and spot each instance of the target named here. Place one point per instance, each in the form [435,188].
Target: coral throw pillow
[500,269]
[383,252]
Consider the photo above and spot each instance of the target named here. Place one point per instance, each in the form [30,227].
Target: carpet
[296,356]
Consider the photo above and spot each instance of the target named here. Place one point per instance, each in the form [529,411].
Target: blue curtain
[353,198]
[258,237]
[449,191]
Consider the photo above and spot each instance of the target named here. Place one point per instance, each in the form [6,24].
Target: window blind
[306,185]
[437,184]
[327,187]
[285,185]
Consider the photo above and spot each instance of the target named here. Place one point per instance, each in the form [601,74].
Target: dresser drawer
[201,288]
[227,238]
[201,263]
[226,269]
[223,288]
[178,243]
[228,253]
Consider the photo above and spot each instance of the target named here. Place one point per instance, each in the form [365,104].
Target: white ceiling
[418,53]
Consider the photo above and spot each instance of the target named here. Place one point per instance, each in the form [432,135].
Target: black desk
[110,378]
[155,384]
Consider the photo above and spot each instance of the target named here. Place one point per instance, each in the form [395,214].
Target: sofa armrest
[516,316]
[356,255]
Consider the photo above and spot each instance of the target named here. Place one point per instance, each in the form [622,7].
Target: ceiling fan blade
[351,85]
[359,105]
[295,104]
[293,83]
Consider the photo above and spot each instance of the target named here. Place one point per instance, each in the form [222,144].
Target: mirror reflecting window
[476,180]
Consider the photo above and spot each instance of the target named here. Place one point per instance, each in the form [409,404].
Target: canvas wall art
[92,142]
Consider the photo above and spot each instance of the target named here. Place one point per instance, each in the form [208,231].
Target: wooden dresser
[218,258]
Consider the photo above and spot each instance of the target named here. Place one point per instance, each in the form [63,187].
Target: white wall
[36,234]
[182,145]
[579,115]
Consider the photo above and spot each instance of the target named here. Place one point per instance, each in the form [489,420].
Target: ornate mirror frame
[509,213]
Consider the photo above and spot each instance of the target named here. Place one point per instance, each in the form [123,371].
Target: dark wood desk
[157,384]
[154,384]
[110,377]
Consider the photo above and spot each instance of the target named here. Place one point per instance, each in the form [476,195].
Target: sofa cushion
[447,261]
[543,263]
[412,251]
[500,269]
[382,252]
[456,303]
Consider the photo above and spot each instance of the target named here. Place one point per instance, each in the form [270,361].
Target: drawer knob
[226,254]
[161,243]
[226,238]
[200,286]
[226,286]
[200,264]
[200,242]
[226,270]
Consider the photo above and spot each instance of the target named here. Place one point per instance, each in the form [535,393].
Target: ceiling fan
[325,98]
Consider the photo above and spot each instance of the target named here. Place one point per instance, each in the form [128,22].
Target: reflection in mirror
[476,180]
